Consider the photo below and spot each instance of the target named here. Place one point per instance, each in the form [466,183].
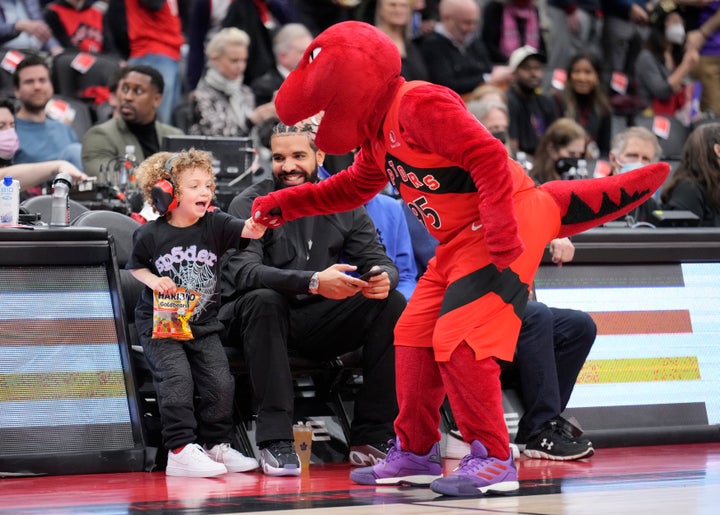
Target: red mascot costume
[492,223]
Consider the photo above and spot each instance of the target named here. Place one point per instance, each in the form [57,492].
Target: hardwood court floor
[658,480]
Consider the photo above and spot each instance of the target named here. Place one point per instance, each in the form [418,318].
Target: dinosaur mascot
[492,223]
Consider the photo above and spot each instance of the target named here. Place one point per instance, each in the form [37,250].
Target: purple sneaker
[478,474]
[401,468]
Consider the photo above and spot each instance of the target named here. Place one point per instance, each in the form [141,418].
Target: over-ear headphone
[163,192]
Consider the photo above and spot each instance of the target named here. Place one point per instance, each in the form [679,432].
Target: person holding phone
[292,290]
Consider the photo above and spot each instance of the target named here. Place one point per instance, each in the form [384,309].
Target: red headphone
[163,192]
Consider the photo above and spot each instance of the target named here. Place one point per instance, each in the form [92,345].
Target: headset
[163,192]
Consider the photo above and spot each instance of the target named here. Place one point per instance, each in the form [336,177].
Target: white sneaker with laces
[193,461]
[234,461]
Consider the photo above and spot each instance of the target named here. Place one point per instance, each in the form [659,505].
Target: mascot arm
[436,120]
[343,191]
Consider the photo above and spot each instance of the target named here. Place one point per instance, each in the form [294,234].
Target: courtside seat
[80,114]
[42,205]
[73,73]
[670,132]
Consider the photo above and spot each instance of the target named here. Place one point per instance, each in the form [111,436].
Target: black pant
[181,369]
[551,350]
[268,325]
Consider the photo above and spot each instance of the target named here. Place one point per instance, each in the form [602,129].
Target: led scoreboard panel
[67,398]
[653,375]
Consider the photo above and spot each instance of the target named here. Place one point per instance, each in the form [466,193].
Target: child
[177,258]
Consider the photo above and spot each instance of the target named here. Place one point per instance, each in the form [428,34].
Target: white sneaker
[233,460]
[457,448]
[193,461]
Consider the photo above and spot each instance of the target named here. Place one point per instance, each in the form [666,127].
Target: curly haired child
[177,258]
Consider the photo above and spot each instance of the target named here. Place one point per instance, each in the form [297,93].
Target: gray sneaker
[401,468]
[369,454]
[280,459]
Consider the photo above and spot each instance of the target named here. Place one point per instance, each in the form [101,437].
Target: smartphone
[371,273]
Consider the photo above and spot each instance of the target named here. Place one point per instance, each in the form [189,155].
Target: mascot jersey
[462,296]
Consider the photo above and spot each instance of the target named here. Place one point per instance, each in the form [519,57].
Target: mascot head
[349,73]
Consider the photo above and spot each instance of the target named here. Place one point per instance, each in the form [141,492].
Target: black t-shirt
[190,256]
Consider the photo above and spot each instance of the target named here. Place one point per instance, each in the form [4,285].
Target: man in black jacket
[454,54]
[291,290]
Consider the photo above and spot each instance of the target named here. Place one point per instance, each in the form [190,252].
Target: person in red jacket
[78,24]
[149,32]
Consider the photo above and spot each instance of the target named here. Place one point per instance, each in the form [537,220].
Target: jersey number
[424,213]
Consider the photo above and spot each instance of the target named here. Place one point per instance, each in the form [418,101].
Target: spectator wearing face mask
[559,150]
[630,149]
[663,67]
[493,114]
[29,174]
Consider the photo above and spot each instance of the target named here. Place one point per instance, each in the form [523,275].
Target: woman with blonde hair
[223,105]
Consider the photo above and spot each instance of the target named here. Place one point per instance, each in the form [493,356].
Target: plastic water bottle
[130,159]
[129,164]
[522,159]
[9,201]
[60,208]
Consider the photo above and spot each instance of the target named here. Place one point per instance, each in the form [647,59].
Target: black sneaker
[554,443]
[571,427]
[279,458]
[369,454]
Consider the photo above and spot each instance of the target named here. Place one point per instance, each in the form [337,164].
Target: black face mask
[501,135]
[565,164]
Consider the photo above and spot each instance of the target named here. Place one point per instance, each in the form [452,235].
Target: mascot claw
[267,213]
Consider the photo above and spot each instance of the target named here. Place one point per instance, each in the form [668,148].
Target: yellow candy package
[171,314]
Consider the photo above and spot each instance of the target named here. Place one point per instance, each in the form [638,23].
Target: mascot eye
[314,53]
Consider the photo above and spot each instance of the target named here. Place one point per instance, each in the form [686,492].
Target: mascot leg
[420,394]
[415,457]
[475,395]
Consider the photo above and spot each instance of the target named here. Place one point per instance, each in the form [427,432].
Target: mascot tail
[588,203]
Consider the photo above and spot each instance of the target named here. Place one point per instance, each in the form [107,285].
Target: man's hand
[334,283]
[36,28]
[501,75]
[263,113]
[562,251]
[70,169]
[378,286]
[266,211]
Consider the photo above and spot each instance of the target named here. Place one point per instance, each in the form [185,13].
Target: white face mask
[675,33]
